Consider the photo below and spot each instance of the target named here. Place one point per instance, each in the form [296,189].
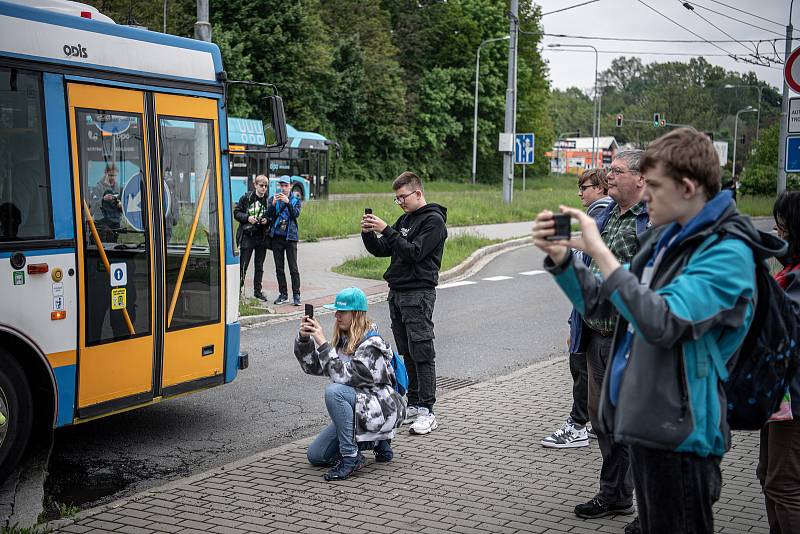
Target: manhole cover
[447,382]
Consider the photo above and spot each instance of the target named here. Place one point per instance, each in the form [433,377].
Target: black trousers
[281,246]
[779,473]
[580,388]
[244,263]
[616,479]
[675,491]
[412,325]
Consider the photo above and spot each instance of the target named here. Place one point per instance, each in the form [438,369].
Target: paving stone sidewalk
[482,471]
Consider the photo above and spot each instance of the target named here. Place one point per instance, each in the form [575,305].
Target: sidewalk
[482,471]
[315,260]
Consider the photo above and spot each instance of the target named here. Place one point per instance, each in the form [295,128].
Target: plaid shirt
[620,237]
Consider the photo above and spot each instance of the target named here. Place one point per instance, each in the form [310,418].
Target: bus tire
[297,191]
[16,405]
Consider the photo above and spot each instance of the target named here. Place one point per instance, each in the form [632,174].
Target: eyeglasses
[399,199]
[617,171]
[582,188]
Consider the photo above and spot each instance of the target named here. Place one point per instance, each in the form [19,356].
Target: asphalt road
[484,329]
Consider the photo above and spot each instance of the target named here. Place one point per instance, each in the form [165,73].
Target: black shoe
[346,467]
[598,507]
[633,527]
[260,296]
[281,299]
[383,451]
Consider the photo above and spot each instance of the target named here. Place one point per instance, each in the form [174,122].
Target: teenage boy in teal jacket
[685,305]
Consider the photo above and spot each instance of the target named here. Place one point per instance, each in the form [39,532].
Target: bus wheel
[297,191]
[16,413]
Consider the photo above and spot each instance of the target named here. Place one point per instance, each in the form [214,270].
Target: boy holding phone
[415,243]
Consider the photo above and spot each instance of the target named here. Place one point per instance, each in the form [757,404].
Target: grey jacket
[379,408]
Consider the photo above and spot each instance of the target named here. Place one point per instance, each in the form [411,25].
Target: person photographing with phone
[415,242]
[361,400]
[284,210]
[251,212]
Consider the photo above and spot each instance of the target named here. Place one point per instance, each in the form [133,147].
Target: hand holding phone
[310,311]
[367,211]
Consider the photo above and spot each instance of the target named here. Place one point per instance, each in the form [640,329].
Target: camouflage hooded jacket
[379,408]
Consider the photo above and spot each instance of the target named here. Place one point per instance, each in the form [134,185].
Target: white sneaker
[411,415]
[425,423]
[567,437]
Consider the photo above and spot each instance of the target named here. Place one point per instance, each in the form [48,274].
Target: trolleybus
[119,283]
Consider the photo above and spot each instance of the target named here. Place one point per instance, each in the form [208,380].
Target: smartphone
[310,310]
[367,211]
[562,228]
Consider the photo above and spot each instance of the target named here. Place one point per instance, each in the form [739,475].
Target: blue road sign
[792,163]
[523,153]
[132,201]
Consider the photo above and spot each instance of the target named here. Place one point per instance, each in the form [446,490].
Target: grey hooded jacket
[379,408]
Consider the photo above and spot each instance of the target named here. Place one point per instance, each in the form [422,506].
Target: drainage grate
[446,382]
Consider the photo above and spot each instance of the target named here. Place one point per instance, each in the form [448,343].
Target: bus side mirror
[276,122]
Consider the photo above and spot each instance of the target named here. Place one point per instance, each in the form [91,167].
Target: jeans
[675,491]
[279,246]
[779,473]
[338,438]
[244,262]
[411,313]
[580,388]
[616,479]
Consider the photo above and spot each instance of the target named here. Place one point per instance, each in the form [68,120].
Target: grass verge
[456,250]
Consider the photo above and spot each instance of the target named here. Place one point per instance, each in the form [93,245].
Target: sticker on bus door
[118,298]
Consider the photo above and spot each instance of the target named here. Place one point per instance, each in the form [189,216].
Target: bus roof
[301,139]
[49,36]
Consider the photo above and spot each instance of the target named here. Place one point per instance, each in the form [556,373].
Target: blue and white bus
[119,282]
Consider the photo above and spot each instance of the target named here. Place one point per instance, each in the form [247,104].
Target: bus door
[194,341]
[147,197]
[112,183]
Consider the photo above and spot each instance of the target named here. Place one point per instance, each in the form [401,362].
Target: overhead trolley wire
[747,12]
[690,7]
[651,40]
[695,4]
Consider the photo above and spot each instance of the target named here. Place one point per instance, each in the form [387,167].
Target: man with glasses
[415,243]
[251,212]
[593,192]
[620,225]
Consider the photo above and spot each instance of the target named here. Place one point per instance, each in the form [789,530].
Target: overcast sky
[632,19]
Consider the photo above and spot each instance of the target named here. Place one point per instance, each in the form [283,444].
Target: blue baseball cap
[285,179]
[349,299]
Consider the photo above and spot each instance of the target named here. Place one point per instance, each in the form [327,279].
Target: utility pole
[511,97]
[202,28]
[784,111]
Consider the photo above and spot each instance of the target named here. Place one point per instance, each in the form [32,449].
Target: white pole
[784,110]
[475,118]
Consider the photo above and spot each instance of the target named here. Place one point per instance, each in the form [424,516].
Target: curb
[472,264]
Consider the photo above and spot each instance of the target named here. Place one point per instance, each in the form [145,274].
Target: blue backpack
[400,373]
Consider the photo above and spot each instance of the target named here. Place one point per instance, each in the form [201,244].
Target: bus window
[189,182]
[115,223]
[24,189]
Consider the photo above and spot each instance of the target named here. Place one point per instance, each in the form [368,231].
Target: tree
[760,177]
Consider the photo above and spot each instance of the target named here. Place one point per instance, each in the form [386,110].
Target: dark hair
[786,212]
[409,179]
[596,177]
[685,152]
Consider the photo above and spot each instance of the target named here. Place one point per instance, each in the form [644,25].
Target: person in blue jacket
[685,304]
[284,210]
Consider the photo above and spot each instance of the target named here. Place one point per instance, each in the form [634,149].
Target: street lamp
[748,109]
[760,90]
[596,120]
[475,121]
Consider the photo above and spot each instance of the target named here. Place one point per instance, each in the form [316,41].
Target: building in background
[574,154]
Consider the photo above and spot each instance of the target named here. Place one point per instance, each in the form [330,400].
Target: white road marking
[456,284]
[497,278]
[531,273]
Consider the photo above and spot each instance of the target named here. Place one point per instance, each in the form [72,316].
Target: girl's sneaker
[383,451]
[346,467]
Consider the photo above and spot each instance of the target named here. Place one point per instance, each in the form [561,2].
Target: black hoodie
[415,242]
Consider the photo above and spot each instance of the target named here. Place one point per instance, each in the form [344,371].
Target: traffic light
[619,120]
[656,119]
[578,132]
[743,139]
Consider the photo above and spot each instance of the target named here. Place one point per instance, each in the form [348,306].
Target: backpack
[400,373]
[759,373]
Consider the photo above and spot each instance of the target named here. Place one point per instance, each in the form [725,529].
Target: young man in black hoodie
[415,243]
